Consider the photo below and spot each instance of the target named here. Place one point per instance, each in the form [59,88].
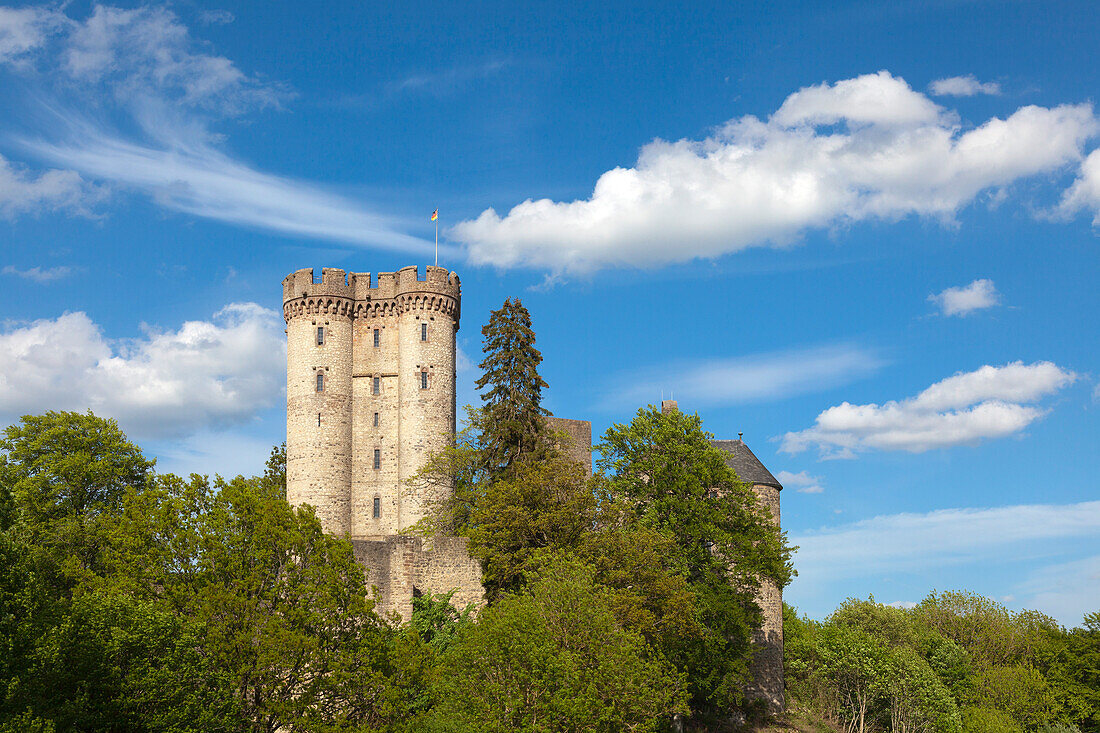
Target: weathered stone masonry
[370,394]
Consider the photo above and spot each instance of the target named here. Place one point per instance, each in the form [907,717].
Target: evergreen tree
[512,424]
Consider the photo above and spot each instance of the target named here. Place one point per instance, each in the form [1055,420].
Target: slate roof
[745,463]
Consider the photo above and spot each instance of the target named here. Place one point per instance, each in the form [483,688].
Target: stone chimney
[668,406]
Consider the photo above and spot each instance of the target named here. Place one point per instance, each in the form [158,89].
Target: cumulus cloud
[859,149]
[206,374]
[801,482]
[916,542]
[22,191]
[1084,194]
[38,274]
[961,301]
[963,86]
[169,92]
[990,402]
[753,378]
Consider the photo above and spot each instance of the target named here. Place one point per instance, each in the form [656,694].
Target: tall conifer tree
[513,424]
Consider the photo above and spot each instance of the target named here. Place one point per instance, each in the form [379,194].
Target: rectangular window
[377,338]
[423,331]
[424,379]
[376,419]
[320,335]
[377,458]
[377,507]
[376,385]
[320,381]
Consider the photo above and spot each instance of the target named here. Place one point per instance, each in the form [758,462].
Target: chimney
[668,406]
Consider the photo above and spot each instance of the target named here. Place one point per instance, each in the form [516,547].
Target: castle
[371,394]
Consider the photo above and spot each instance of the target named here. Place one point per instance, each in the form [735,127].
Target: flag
[435,214]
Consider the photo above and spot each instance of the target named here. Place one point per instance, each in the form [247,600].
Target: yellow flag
[435,214]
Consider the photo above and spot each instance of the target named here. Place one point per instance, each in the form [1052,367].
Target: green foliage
[667,479]
[989,720]
[514,427]
[554,660]
[1018,690]
[66,474]
[1007,671]
[539,505]
[436,620]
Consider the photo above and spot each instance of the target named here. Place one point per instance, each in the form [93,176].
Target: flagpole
[437,242]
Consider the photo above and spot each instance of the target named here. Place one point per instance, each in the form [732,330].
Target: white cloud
[743,379]
[902,604]
[53,190]
[216,17]
[23,30]
[1066,591]
[864,148]
[961,301]
[801,482]
[963,86]
[990,402]
[1085,191]
[206,374]
[911,542]
[145,68]
[195,178]
[37,274]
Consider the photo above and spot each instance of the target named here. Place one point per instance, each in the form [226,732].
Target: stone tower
[370,392]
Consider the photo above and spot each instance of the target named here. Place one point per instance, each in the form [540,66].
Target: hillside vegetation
[955,662]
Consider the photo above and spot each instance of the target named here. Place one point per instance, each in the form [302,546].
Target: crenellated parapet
[361,295]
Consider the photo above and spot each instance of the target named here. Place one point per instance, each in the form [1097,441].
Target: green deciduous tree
[555,659]
[282,606]
[66,474]
[667,477]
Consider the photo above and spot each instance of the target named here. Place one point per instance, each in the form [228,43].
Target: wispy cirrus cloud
[916,541]
[753,378]
[867,148]
[962,301]
[990,402]
[925,547]
[38,274]
[963,86]
[802,482]
[169,96]
[23,191]
[447,80]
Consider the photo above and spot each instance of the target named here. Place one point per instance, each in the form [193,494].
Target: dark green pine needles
[513,415]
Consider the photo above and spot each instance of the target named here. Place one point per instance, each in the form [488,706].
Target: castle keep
[371,394]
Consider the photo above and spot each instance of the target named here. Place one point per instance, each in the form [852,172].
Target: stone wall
[403,566]
[578,439]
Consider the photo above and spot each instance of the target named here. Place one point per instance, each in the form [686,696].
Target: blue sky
[866,235]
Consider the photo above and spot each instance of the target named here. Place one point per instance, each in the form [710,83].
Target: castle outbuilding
[371,395]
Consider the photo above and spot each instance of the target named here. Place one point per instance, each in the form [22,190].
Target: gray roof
[745,463]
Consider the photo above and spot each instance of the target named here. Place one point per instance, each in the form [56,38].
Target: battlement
[362,286]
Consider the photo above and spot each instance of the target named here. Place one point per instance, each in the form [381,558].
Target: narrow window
[377,338]
[320,381]
[320,335]
[318,419]
[377,507]
[423,331]
[377,458]
[376,385]
[424,379]
[376,419]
